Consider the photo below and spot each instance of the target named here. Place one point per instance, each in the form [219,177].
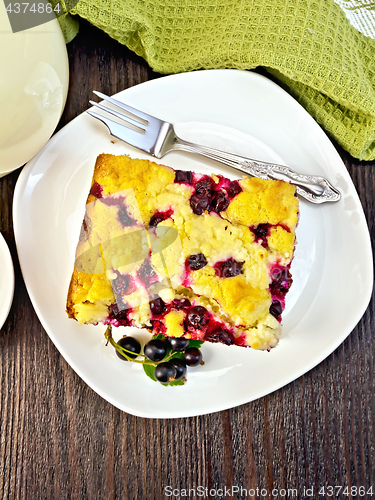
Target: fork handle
[315,189]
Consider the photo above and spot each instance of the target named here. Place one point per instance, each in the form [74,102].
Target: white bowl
[7,280]
[34,77]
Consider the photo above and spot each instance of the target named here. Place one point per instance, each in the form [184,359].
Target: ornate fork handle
[315,189]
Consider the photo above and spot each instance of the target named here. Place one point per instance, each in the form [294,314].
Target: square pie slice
[184,254]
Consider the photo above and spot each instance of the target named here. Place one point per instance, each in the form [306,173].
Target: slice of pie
[184,254]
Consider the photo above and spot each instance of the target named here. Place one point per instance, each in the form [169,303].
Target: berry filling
[159,217]
[158,327]
[113,201]
[181,304]
[228,268]
[124,217]
[122,285]
[204,186]
[118,317]
[219,202]
[196,318]
[183,176]
[261,232]
[220,335]
[234,189]
[199,323]
[146,273]
[97,190]
[157,306]
[200,203]
[209,196]
[123,214]
[281,282]
[276,309]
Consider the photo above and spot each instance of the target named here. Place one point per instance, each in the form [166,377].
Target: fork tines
[132,115]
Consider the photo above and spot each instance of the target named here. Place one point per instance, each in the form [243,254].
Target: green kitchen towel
[310,46]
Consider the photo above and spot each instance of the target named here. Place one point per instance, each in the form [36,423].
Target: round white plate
[234,110]
[6,282]
[33,88]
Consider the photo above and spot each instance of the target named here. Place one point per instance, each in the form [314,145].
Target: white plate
[6,282]
[247,114]
[33,88]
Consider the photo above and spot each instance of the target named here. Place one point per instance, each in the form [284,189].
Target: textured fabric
[69,25]
[308,45]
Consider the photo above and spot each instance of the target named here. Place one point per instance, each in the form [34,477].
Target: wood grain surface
[60,440]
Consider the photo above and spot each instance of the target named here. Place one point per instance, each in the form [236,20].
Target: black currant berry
[181,303]
[122,285]
[205,186]
[180,366]
[197,317]
[157,306]
[178,343]
[200,203]
[261,231]
[124,217]
[183,176]
[220,335]
[219,202]
[281,282]
[121,315]
[155,349]
[165,372]
[96,190]
[130,344]
[192,356]
[146,273]
[234,189]
[229,268]
[155,220]
[276,309]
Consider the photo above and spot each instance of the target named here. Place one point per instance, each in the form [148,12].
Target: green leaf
[196,343]
[158,336]
[176,354]
[176,382]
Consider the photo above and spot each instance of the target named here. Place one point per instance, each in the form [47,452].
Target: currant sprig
[165,359]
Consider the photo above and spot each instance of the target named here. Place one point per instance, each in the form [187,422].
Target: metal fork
[157,138]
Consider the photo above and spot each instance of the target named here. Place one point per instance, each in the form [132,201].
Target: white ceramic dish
[247,114]
[33,88]
[6,282]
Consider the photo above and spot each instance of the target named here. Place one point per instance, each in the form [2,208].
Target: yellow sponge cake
[184,254]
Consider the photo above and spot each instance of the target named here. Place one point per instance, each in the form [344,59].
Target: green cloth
[308,45]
